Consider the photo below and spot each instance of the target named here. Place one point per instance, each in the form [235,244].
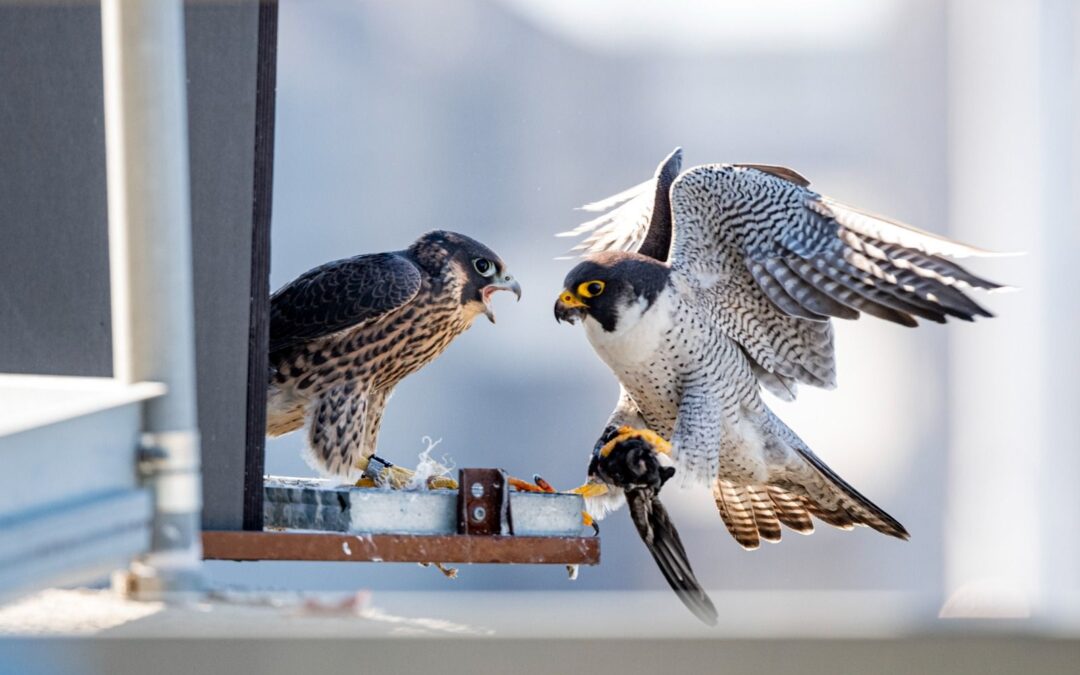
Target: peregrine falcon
[344,334]
[708,285]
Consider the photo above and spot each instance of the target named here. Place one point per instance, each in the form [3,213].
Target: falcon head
[478,270]
[609,287]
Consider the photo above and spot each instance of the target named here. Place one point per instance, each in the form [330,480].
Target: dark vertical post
[265,98]
[223,66]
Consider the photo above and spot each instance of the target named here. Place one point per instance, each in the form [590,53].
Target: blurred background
[497,118]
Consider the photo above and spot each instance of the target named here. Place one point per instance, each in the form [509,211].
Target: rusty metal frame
[484,535]
[455,548]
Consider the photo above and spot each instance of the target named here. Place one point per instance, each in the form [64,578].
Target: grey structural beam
[150,269]
[230,130]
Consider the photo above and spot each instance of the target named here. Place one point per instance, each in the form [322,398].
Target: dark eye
[484,266]
[591,289]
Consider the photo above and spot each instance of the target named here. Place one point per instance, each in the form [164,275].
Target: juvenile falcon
[710,284]
[344,334]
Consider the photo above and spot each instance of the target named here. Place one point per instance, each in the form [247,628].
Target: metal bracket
[483,502]
[148,456]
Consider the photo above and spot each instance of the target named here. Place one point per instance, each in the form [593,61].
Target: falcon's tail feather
[738,513]
[789,510]
[754,512]
[845,507]
[851,508]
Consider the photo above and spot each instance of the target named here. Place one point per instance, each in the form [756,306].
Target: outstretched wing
[340,294]
[639,218]
[779,260]
[643,221]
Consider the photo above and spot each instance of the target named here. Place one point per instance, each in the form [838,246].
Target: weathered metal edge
[458,548]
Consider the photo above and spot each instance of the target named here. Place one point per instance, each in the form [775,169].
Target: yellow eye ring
[590,289]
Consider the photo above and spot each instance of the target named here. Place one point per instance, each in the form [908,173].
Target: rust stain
[455,548]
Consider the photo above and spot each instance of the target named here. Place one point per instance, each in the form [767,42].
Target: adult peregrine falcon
[344,334]
[710,284]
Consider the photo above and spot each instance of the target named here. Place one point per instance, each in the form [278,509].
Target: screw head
[477,490]
[478,513]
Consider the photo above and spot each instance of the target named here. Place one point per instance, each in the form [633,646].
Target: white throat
[633,341]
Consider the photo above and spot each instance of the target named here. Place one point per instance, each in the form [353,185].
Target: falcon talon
[588,521]
[543,484]
[522,485]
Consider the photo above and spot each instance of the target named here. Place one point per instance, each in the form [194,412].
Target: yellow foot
[590,490]
[380,472]
[627,433]
[538,484]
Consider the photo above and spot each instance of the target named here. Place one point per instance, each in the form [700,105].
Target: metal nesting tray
[312,519]
[312,504]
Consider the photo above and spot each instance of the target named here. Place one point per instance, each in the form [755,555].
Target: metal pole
[151,272]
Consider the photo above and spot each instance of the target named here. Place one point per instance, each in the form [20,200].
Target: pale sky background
[714,25]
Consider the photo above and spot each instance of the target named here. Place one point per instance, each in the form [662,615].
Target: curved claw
[589,521]
[522,485]
[543,484]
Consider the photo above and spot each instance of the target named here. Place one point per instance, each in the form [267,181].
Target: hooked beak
[569,307]
[504,283]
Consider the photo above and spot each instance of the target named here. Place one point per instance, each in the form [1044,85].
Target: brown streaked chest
[381,353]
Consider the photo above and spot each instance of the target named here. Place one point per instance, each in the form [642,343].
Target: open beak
[569,307]
[504,283]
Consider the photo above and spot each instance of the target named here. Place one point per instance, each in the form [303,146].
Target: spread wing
[632,226]
[779,260]
[340,294]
